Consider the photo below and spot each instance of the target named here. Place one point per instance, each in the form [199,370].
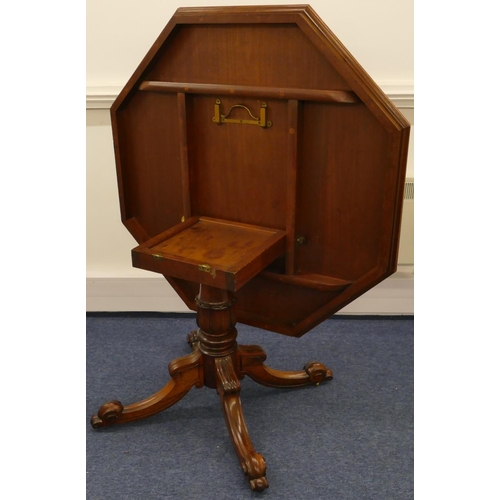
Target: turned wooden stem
[217,333]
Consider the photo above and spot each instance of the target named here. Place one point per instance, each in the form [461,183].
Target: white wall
[379,33]
[119,33]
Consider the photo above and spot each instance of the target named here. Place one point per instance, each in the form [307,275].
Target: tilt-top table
[261,171]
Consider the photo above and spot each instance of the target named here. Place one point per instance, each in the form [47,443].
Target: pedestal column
[217,343]
[217,333]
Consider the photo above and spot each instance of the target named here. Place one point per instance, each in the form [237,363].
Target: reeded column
[217,333]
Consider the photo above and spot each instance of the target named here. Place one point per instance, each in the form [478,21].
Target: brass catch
[207,269]
[157,256]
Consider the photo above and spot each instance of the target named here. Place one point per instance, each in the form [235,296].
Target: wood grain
[277,226]
[214,252]
[335,186]
[337,96]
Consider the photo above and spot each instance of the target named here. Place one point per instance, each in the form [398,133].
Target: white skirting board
[393,296]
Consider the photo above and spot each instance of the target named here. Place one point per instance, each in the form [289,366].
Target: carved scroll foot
[228,387]
[251,362]
[186,372]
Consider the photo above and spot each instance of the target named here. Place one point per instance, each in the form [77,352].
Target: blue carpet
[348,439]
